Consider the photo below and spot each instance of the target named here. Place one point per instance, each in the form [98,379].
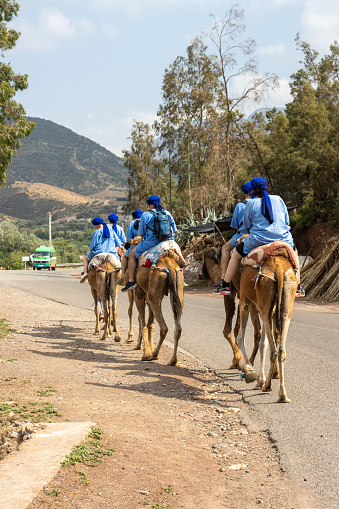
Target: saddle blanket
[259,255]
[152,255]
[100,258]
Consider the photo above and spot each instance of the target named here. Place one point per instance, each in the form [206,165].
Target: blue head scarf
[137,214]
[246,188]
[266,205]
[98,220]
[113,218]
[155,200]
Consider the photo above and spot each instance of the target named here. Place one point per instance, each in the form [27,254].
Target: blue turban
[137,214]
[155,200]
[98,220]
[246,188]
[266,205]
[113,218]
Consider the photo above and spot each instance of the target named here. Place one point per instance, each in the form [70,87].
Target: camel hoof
[147,358]
[103,338]
[233,366]
[241,364]
[138,347]
[96,333]
[251,377]
[276,375]
[283,399]
[266,389]
[129,340]
[172,363]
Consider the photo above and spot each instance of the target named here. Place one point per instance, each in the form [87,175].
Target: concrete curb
[24,473]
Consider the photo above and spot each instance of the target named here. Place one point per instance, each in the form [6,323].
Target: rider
[132,232]
[104,240]
[237,222]
[146,228]
[268,221]
[113,219]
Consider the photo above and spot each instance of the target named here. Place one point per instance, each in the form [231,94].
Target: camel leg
[150,328]
[114,289]
[262,349]
[138,346]
[229,306]
[156,310]
[281,359]
[267,386]
[257,331]
[96,311]
[130,316]
[244,311]
[140,303]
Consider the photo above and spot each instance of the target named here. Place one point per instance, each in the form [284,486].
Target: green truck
[44,257]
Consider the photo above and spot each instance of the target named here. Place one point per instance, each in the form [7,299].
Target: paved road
[306,430]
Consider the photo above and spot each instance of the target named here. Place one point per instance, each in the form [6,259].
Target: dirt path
[176,430]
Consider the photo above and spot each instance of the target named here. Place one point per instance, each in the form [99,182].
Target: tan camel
[153,285]
[209,252]
[272,289]
[103,283]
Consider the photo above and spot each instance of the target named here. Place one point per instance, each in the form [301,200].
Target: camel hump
[260,254]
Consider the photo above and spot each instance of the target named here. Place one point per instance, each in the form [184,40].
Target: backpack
[162,225]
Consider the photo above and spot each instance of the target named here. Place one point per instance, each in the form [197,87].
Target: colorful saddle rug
[150,257]
[259,255]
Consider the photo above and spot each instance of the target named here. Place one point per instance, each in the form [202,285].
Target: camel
[103,283]
[210,252]
[153,284]
[272,289]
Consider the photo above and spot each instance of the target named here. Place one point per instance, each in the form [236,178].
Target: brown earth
[177,431]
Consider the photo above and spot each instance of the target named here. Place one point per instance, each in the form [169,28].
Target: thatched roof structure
[320,278]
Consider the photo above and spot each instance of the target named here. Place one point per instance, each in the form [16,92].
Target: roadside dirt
[177,431]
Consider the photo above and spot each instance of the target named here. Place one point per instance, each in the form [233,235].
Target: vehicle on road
[44,257]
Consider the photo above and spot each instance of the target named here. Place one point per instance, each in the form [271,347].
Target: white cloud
[273,50]
[320,22]
[110,30]
[51,27]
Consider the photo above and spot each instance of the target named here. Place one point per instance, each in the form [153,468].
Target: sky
[95,66]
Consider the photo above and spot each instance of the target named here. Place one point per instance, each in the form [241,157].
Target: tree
[146,170]
[250,85]
[13,125]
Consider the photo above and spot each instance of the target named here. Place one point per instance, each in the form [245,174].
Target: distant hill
[57,156]
[263,110]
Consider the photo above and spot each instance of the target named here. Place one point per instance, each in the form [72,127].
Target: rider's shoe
[300,292]
[130,286]
[222,290]
[83,277]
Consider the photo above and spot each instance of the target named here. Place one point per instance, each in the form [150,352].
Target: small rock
[212,434]
[259,501]
[144,492]
[238,466]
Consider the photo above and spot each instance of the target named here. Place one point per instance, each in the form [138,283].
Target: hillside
[57,156]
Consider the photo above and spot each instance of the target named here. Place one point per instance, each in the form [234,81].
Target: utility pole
[50,228]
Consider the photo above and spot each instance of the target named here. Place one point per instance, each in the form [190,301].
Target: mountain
[57,156]
[263,111]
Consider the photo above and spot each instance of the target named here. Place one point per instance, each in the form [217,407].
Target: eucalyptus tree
[13,125]
[239,82]
[147,173]
[188,93]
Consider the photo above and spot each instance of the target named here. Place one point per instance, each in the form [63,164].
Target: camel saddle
[150,257]
[257,257]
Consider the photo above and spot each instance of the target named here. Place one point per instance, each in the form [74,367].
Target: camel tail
[280,299]
[176,286]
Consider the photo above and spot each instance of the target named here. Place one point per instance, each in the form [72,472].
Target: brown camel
[209,252]
[272,289]
[153,285]
[103,283]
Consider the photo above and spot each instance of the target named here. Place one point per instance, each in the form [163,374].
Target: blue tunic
[121,234]
[131,231]
[145,230]
[238,222]
[100,244]
[261,231]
